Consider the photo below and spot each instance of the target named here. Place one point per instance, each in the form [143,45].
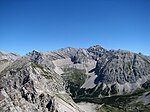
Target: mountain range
[72,80]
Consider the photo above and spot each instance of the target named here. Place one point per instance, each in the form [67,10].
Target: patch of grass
[44,73]
[73,75]
[36,66]
[75,79]
[126,102]
[138,107]
[4,60]
[47,76]
[108,108]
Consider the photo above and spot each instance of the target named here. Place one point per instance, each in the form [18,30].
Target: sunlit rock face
[6,59]
[44,81]
[114,70]
[30,87]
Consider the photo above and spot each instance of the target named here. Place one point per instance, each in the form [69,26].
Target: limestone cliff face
[8,56]
[122,67]
[26,86]
[43,81]
[107,72]
[115,70]
[124,70]
[6,59]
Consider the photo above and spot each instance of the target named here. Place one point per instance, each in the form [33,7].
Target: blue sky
[52,24]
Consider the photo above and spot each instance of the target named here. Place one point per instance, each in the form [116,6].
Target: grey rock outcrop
[148,57]
[122,70]
[26,86]
[9,56]
[61,53]
[6,59]
[122,67]
[43,81]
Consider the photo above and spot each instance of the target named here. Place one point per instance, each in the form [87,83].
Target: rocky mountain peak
[9,56]
[35,56]
[6,59]
[96,48]
[43,81]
